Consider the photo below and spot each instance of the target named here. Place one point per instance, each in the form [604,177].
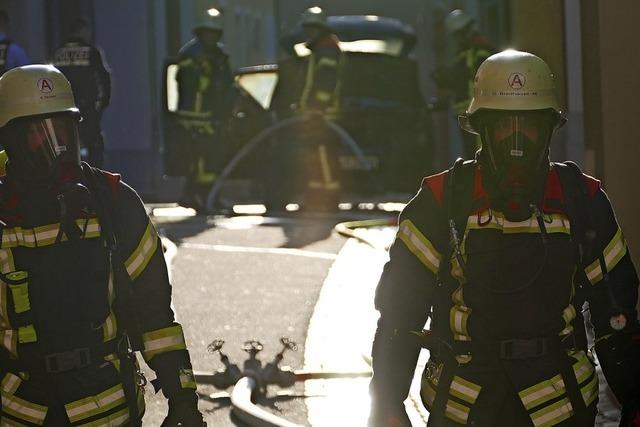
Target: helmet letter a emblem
[45,85]
[517,81]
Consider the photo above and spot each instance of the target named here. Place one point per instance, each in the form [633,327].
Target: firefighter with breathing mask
[501,254]
[83,281]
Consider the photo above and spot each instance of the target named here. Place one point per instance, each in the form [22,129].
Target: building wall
[126,31]
[616,105]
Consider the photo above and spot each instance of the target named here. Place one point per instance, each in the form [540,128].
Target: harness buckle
[523,348]
[78,358]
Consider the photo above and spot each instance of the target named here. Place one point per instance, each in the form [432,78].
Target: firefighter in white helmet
[322,81]
[205,84]
[83,281]
[501,253]
[470,48]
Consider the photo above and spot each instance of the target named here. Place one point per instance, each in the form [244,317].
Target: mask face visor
[36,145]
[519,138]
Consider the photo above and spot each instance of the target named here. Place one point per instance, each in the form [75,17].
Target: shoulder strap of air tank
[575,194]
[457,201]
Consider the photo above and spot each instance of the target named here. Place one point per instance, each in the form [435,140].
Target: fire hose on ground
[263,136]
[252,380]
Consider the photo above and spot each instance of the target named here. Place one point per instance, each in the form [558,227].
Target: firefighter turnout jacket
[323,80]
[458,77]
[204,81]
[506,337]
[62,350]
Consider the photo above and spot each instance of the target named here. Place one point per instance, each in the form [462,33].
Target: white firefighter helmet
[211,19]
[34,90]
[38,123]
[456,20]
[513,80]
[314,16]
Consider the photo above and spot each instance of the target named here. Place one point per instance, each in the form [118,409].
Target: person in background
[86,69]
[204,104]
[322,82]
[470,49]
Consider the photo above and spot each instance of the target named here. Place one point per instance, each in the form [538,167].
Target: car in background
[376,145]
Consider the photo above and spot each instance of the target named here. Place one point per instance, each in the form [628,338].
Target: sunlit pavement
[339,302]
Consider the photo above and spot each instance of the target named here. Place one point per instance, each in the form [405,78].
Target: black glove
[184,413]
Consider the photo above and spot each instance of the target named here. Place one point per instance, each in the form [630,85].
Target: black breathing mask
[515,157]
[44,160]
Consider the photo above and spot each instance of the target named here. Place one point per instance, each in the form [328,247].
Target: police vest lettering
[73,56]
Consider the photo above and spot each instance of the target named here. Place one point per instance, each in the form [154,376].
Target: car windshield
[259,85]
[389,47]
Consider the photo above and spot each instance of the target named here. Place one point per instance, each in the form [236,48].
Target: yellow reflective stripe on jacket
[187,380]
[94,405]
[6,422]
[456,412]
[110,327]
[10,383]
[554,388]
[568,315]
[554,223]
[542,392]
[27,334]
[553,414]
[583,368]
[45,235]
[6,261]
[4,311]
[23,409]
[464,390]
[613,253]
[9,340]
[459,316]
[138,260]
[119,418]
[458,319]
[20,292]
[419,245]
[162,341]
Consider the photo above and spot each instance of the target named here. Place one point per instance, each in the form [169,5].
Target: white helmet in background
[457,20]
[211,19]
[314,16]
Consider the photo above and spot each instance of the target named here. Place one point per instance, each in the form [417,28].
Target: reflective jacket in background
[507,343]
[322,81]
[458,77]
[59,332]
[204,80]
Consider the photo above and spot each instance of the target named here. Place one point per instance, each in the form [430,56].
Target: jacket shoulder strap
[576,194]
[457,203]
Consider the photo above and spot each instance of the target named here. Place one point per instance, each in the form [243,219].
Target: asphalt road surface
[255,278]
